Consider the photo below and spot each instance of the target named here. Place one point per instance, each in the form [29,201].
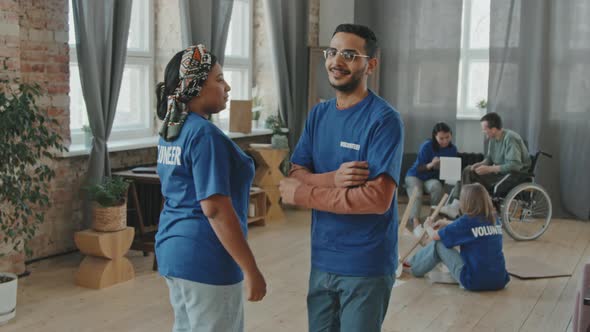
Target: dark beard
[352,85]
[348,87]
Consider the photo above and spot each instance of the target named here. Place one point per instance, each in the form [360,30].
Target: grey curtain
[287,26]
[540,83]
[102,28]
[206,22]
[420,51]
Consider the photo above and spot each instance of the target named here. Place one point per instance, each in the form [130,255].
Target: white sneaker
[441,277]
[451,210]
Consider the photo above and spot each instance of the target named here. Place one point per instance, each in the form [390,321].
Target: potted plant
[87,136]
[28,139]
[109,208]
[482,105]
[279,138]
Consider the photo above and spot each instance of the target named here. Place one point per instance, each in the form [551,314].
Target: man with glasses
[346,168]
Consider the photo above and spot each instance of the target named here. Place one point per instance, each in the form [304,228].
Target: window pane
[133,105]
[238,37]
[132,108]
[480,24]
[237,80]
[78,116]
[477,81]
[72,29]
[138,27]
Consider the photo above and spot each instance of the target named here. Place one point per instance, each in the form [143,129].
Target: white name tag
[352,146]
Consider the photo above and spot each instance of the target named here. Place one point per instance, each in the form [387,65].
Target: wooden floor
[49,301]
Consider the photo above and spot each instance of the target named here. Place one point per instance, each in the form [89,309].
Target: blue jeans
[338,303]
[433,187]
[204,308]
[435,252]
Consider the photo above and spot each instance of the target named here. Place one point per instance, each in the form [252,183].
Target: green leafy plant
[274,123]
[28,141]
[111,191]
[255,115]
[482,104]
[86,129]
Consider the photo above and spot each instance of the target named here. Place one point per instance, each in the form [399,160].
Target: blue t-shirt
[425,155]
[372,131]
[200,163]
[481,250]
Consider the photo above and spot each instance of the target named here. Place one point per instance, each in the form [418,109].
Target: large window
[475,57]
[134,116]
[237,67]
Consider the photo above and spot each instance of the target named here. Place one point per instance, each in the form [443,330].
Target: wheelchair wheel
[526,212]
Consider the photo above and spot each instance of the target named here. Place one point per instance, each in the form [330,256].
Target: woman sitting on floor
[480,266]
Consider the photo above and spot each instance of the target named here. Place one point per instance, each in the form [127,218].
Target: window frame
[468,57]
[134,57]
[240,63]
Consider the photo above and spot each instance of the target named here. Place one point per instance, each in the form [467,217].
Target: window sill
[468,117]
[76,150]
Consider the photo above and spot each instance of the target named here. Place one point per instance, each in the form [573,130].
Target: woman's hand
[441,223]
[255,285]
[434,164]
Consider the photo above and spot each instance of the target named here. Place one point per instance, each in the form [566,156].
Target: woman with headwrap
[201,241]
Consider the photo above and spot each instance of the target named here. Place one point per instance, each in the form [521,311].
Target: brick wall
[33,48]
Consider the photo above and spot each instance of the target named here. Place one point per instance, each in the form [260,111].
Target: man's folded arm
[306,176]
[373,197]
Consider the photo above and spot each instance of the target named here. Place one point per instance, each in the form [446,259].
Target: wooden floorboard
[49,300]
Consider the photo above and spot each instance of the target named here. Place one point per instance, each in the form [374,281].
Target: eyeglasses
[348,55]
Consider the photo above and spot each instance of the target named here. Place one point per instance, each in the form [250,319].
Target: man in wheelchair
[507,154]
[507,171]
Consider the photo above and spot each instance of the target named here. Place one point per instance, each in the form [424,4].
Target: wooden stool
[105,264]
[268,175]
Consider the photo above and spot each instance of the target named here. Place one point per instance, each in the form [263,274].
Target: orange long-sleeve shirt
[319,192]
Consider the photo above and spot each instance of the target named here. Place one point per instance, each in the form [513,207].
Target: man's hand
[484,169]
[255,285]
[351,174]
[288,187]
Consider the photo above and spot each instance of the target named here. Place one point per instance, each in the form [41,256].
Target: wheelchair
[523,205]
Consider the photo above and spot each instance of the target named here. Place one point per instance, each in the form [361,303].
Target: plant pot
[109,219]
[279,142]
[8,297]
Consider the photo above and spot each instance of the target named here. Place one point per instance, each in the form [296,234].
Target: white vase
[8,297]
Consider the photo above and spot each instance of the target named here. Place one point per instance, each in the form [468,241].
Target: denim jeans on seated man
[337,303]
[435,252]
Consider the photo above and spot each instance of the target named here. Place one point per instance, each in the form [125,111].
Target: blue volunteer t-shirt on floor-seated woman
[372,131]
[425,156]
[200,163]
[481,250]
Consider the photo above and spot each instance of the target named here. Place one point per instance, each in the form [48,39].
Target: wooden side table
[105,264]
[268,175]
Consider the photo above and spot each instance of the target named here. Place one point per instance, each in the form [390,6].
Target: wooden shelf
[258,205]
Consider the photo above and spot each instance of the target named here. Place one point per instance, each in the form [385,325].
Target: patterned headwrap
[194,69]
